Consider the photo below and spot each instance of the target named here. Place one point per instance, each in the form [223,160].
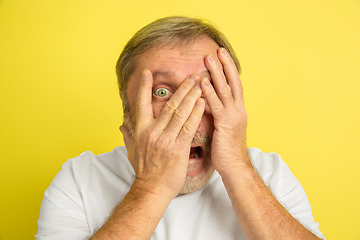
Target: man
[186,172]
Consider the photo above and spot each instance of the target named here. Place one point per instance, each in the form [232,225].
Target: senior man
[186,172]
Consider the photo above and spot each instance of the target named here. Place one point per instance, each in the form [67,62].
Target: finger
[222,88]
[216,106]
[175,100]
[183,111]
[232,76]
[144,112]
[191,125]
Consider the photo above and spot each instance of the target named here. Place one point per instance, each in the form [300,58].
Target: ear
[121,96]
[128,140]
[129,143]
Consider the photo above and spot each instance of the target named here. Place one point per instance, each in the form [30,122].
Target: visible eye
[162,92]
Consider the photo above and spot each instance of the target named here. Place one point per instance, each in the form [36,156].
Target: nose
[207,120]
[207,108]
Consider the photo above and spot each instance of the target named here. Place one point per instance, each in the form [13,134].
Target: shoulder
[266,164]
[88,186]
[90,170]
[89,158]
[284,186]
[88,167]
[273,171]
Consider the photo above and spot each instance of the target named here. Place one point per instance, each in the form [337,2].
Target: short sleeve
[285,187]
[293,197]
[62,214]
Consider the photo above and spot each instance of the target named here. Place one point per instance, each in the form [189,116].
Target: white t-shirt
[82,195]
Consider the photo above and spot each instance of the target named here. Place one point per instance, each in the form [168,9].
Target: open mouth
[196,152]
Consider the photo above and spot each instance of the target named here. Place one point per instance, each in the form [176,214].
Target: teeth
[196,155]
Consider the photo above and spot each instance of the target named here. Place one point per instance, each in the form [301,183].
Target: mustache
[202,139]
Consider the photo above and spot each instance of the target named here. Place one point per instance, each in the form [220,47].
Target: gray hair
[176,29]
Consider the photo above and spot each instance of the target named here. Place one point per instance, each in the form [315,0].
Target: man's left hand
[224,96]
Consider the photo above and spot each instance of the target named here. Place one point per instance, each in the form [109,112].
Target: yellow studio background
[301,74]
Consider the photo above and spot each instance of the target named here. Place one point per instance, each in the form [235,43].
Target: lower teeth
[196,155]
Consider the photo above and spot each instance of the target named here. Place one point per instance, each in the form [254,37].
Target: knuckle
[140,104]
[239,84]
[225,90]
[187,127]
[162,142]
[178,112]
[171,105]
[217,107]
[153,136]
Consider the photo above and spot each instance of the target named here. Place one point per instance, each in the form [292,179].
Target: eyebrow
[204,73]
[162,73]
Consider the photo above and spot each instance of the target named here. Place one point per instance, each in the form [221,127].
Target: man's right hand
[160,151]
[159,155]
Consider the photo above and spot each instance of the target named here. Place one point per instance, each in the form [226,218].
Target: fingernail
[211,58]
[193,77]
[224,51]
[206,82]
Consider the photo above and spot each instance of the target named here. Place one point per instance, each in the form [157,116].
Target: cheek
[157,107]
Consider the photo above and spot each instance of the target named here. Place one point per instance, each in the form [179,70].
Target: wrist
[240,174]
[236,166]
[143,189]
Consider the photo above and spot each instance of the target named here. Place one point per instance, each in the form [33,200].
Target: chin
[194,182]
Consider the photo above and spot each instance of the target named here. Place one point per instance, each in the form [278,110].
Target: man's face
[170,66]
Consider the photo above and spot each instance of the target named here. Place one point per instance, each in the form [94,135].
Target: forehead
[177,61]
